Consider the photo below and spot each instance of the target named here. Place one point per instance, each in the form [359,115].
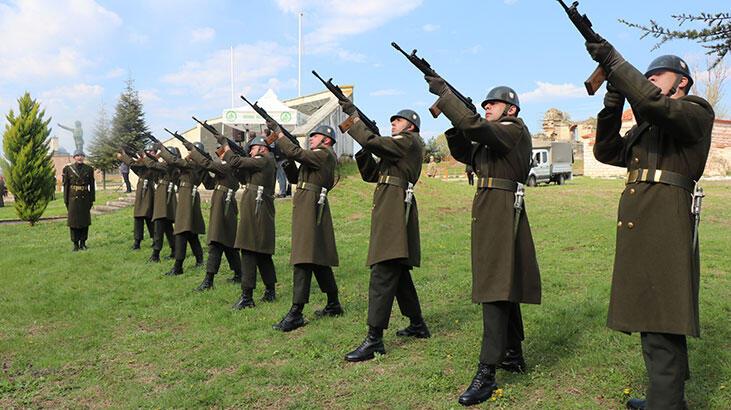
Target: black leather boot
[481,387]
[330,309]
[177,268]
[155,257]
[246,301]
[136,246]
[82,245]
[417,328]
[292,320]
[199,261]
[270,295]
[513,361]
[372,344]
[636,404]
[206,284]
[76,247]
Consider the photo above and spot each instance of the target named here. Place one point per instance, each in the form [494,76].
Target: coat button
[619,224]
[636,160]
[630,225]
[474,219]
[631,190]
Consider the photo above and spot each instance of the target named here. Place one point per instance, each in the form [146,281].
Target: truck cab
[551,164]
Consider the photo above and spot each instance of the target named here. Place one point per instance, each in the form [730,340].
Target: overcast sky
[75,55]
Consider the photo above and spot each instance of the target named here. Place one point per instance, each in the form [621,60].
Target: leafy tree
[716,37]
[102,148]
[27,166]
[437,146]
[128,124]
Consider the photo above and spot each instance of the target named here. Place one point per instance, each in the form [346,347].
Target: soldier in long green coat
[165,202]
[222,220]
[504,268]
[313,238]
[394,247]
[78,195]
[656,266]
[255,234]
[188,216]
[144,194]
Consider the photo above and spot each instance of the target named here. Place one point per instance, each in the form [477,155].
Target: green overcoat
[144,194]
[392,238]
[504,265]
[78,194]
[656,267]
[224,211]
[255,231]
[188,214]
[311,243]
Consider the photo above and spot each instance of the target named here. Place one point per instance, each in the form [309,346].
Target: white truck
[551,164]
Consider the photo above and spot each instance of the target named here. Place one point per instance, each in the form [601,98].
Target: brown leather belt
[497,183]
[254,187]
[224,188]
[392,180]
[664,177]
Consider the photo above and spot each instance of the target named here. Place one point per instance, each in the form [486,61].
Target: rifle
[269,120]
[186,143]
[425,68]
[157,141]
[338,93]
[582,23]
[236,148]
[129,150]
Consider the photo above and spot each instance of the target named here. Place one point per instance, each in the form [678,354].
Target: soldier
[255,233]
[78,195]
[657,265]
[188,216]
[222,220]
[504,268]
[313,237]
[394,247]
[165,202]
[144,195]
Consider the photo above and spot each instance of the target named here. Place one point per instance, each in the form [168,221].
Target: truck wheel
[532,180]
[560,179]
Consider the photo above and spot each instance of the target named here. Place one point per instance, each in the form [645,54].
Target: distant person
[470,172]
[124,171]
[431,168]
[78,196]
[3,191]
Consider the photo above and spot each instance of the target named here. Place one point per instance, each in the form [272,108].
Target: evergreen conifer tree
[27,165]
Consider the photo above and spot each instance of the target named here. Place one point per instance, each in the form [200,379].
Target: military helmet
[325,130]
[258,141]
[150,147]
[175,151]
[410,116]
[199,145]
[79,153]
[670,63]
[504,94]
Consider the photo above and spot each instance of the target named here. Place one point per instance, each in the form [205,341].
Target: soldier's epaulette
[508,123]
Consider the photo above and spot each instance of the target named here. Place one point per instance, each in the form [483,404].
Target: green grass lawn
[56,207]
[103,328]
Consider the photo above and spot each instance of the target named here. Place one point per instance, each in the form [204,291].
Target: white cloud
[73,92]
[430,27]
[352,57]
[202,34]
[138,38]
[149,96]
[344,19]
[44,39]
[114,73]
[548,91]
[210,77]
[387,92]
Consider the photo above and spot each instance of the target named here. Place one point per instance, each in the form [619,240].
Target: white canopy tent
[241,117]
